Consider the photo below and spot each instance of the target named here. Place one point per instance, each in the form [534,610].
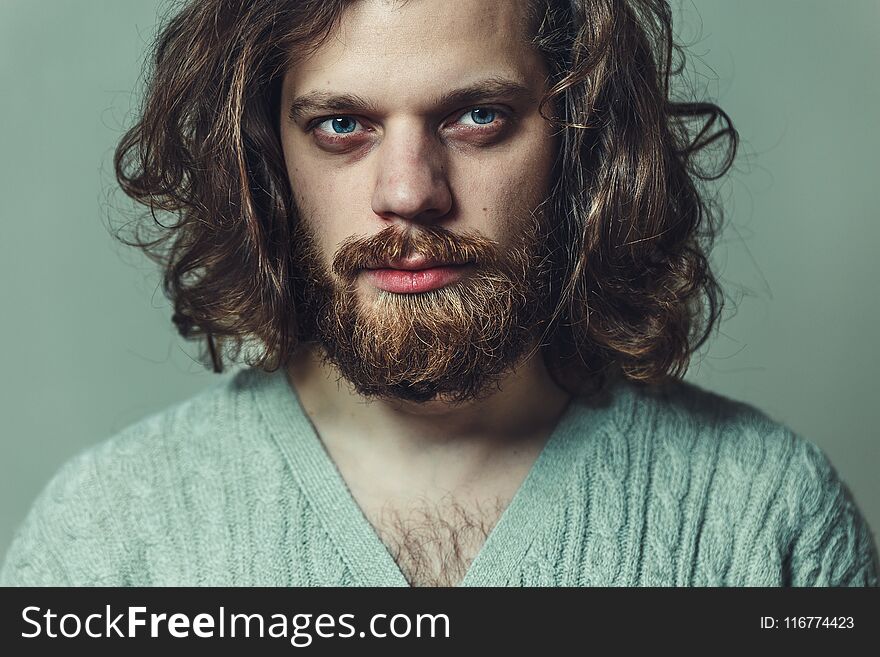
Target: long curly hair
[634,295]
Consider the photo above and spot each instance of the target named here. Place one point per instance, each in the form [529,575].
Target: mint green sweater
[232,487]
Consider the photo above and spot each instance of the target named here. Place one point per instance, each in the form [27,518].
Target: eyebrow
[496,87]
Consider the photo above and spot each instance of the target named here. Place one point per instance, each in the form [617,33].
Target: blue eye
[344,124]
[479,115]
[341,124]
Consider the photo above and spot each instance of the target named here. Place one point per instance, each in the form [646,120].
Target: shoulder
[681,416]
[188,433]
[87,522]
[680,420]
[772,507]
[199,432]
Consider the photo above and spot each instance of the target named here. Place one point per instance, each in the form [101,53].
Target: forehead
[417,50]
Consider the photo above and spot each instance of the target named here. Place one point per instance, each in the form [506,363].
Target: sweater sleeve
[67,537]
[832,544]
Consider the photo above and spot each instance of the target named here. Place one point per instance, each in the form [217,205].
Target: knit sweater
[669,486]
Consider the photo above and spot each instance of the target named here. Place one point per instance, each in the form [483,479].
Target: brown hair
[634,294]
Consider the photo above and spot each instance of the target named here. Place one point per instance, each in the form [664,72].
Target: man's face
[399,178]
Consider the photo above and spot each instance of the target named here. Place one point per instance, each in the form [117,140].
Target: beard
[454,343]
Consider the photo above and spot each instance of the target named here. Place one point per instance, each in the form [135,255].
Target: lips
[413,276]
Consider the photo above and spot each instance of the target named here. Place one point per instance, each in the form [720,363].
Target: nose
[411,179]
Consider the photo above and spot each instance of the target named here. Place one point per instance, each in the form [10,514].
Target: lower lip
[403,281]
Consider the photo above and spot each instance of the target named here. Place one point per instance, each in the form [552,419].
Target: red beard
[452,343]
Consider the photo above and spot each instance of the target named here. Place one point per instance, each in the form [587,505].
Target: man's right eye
[339,125]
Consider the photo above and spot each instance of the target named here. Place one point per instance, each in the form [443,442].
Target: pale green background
[88,345]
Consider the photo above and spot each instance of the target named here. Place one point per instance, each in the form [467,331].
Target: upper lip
[413,264]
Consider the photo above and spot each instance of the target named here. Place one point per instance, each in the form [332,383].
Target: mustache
[431,242]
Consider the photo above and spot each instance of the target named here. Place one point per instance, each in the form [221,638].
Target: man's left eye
[482,115]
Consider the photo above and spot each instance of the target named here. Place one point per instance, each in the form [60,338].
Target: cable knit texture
[671,486]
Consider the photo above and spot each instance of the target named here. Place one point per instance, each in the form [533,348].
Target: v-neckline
[355,537]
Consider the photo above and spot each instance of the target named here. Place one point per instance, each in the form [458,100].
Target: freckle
[484,209]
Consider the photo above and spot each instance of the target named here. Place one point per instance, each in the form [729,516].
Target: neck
[524,406]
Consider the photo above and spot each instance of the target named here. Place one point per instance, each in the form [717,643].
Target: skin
[407,166]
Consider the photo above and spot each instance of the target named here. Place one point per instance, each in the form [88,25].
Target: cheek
[322,202]
[532,174]
[326,198]
[512,185]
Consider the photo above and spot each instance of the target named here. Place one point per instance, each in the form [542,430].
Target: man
[464,236]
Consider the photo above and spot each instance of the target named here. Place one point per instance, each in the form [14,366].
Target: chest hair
[434,543]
